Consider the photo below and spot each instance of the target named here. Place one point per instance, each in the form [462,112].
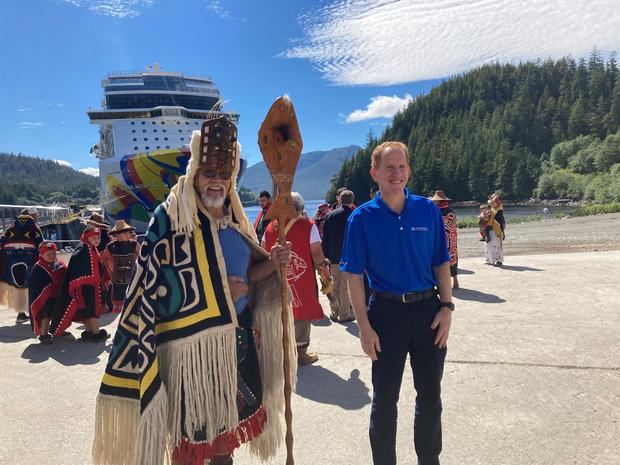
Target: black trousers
[405,329]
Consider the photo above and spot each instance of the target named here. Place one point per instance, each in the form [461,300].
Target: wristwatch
[449,305]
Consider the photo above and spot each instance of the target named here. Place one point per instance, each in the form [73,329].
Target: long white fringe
[205,365]
[116,429]
[151,446]
[268,320]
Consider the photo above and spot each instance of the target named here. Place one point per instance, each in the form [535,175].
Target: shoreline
[596,233]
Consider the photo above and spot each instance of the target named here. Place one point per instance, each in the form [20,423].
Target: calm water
[509,211]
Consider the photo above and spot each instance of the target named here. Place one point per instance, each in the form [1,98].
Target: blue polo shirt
[397,251]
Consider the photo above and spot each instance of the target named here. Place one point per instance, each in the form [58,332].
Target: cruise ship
[145,127]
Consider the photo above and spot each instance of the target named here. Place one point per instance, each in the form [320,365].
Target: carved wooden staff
[280,143]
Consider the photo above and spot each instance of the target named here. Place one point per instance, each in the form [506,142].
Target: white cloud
[216,7]
[63,162]
[381,106]
[24,109]
[90,171]
[30,124]
[115,8]
[382,42]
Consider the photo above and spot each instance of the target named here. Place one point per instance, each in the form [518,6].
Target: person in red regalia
[45,282]
[306,257]
[82,295]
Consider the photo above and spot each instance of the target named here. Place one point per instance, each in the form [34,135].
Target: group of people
[195,368]
[41,288]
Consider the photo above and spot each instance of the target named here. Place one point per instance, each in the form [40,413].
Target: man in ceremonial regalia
[119,258]
[196,365]
[19,248]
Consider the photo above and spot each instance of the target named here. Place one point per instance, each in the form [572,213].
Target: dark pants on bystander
[405,329]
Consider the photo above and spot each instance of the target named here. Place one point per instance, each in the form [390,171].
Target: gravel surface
[578,234]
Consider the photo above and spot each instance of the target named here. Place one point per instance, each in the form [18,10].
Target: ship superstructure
[145,125]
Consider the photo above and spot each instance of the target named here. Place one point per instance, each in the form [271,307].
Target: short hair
[484,206]
[298,200]
[347,197]
[377,153]
[264,194]
[341,190]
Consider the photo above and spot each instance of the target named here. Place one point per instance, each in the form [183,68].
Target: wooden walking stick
[280,143]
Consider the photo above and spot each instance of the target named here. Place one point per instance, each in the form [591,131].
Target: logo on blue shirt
[419,228]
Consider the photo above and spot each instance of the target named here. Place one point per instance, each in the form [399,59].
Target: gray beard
[211,202]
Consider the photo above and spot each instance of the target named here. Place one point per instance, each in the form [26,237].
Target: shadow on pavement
[352,328]
[325,321]
[16,333]
[321,385]
[67,351]
[471,294]
[463,271]
[519,268]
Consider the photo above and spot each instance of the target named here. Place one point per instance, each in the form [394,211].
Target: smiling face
[212,190]
[392,172]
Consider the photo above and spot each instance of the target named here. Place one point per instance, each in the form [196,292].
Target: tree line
[494,129]
[30,180]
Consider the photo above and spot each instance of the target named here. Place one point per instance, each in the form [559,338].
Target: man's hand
[238,288]
[370,342]
[443,321]
[281,254]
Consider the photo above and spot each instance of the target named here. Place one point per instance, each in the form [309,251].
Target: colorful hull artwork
[137,183]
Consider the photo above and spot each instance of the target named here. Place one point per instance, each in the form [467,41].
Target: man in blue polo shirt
[398,240]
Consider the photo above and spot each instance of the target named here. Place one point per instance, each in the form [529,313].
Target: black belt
[409,297]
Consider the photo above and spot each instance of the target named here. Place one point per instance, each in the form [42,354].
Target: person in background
[261,223]
[333,237]
[306,257]
[319,217]
[82,295]
[336,204]
[449,221]
[119,258]
[19,248]
[483,222]
[398,239]
[96,220]
[45,283]
[497,222]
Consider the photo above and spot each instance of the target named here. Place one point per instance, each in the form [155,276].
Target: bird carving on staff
[280,143]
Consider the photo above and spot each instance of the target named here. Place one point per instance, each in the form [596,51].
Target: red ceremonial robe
[300,272]
[45,283]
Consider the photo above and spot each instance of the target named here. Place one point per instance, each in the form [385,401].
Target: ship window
[135,139]
[196,123]
[153,122]
[180,130]
[162,122]
[143,123]
[135,148]
[163,130]
[178,122]
[157,138]
[186,122]
[154,130]
[165,138]
[133,130]
[158,146]
[146,138]
[147,148]
[167,146]
[144,130]
[133,122]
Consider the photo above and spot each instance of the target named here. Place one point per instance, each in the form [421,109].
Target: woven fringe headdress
[182,202]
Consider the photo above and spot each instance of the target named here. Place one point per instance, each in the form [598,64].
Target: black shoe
[347,320]
[333,318]
[46,339]
[102,335]
[498,264]
[21,317]
[86,336]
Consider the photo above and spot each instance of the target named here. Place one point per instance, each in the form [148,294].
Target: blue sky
[347,65]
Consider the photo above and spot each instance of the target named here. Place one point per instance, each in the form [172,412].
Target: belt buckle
[403,298]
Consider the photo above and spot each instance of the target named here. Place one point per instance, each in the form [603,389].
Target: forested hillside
[494,128]
[30,180]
